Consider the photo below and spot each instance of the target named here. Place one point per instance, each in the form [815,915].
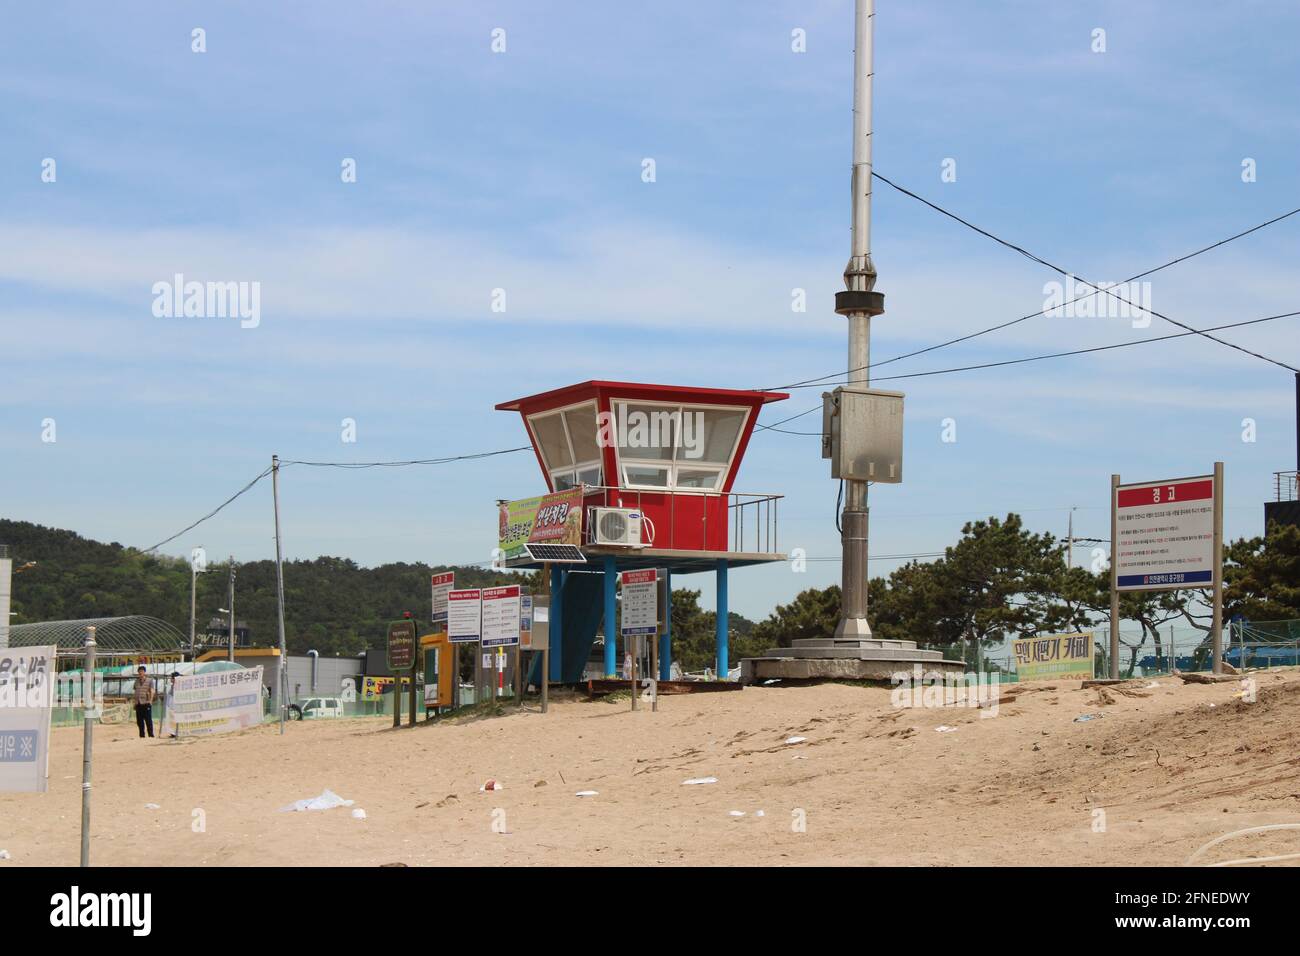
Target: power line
[1052,355]
[507,451]
[337,464]
[1031,256]
[409,462]
[210,513]
[1018,361]
[1109,292]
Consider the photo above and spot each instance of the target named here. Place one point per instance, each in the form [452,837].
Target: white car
[314,708]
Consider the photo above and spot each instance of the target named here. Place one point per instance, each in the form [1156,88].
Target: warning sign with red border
[1164,534]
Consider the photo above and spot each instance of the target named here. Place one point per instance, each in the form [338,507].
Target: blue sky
[522,170]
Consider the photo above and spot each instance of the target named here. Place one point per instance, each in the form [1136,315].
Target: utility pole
[231,654]
[1069,542]
[194,575]
[858,304]
[89,716]
[282,678]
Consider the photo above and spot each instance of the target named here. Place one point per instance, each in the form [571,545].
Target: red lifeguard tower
[653,466]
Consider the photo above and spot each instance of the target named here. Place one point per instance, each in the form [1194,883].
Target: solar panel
[559,553]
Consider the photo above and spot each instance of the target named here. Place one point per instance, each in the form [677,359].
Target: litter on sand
[358,814]
[328,800]
[736,813]
[152,806]
[795,740]
[944,729]
[773,680]
[1084,718]
[4,855]
[490,785]
[696,780]
[1154,683]
[759,813]
[587,793]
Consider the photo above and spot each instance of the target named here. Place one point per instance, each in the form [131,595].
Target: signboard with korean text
[549,519]
[215,703]
[525,621]
[640,602]
[401,645]
[501,616]
[26,699]
[1053,656]
[464,615]
[442,585]
[1164,534]
[374,688]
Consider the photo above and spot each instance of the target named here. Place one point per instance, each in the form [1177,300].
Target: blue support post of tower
[556,652]
[723,614]
[611,617]
[666,638]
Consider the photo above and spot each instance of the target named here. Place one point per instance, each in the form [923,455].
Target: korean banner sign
[26,698]
[1054,656]
[550,519]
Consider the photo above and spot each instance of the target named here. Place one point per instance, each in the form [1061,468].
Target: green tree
[1262,576]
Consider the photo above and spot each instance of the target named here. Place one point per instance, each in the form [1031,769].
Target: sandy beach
[1159,773]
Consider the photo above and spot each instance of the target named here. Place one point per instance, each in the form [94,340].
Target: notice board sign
[442,585]
[26,699]
[1164,535]
[1053,656]
[501,616]
[525,621]
[640,602]
[401,645]
[464,615]
[216,703]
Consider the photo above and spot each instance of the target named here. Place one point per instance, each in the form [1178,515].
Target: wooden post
[1217,620]
[1114,578]
[546,675]
[411,721]
[635,651]
[397,699]
[654,667]
[455,677]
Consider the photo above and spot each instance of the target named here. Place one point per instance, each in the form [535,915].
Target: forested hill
[331,604]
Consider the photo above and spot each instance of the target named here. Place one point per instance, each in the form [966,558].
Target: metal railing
[1284,485]
[752,517]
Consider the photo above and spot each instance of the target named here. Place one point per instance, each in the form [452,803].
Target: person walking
[145,692]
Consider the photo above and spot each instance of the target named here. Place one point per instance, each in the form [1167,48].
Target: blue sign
[19,746]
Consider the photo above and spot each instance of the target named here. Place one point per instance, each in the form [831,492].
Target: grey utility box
[862,434]
[541,624]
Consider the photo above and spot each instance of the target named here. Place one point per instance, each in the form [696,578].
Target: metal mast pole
[89,715]
[282,679]
[858,304]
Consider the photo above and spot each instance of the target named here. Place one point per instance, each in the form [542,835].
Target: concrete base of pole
[828,659]
[754,670]
[853,624]
[853,629]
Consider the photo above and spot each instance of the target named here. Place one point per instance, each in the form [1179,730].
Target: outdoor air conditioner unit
[615,526]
